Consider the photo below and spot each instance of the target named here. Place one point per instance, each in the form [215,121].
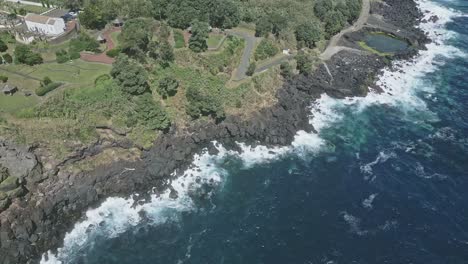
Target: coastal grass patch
[76,72]
[366,47]
[12,104]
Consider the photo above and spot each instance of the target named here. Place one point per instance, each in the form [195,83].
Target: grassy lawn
[214,39]
[34,9]
[11,104]
[179,39]
[115,38]
[75,72]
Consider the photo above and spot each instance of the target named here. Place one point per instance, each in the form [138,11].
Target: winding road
[332,47]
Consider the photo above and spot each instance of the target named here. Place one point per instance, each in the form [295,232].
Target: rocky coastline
[38,205]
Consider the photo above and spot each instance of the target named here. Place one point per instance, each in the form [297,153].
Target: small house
[49,26]
[9,89]
[101,39]
[117,22]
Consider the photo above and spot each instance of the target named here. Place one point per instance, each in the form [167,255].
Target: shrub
[203,102]
[251,69]
[286,70]
[150,113]
[7,57]
[102,78]
[43,90]
[46,81]
[266,49]
[62,56]
[113,53]
[3,46]
[3,78]
[167,87]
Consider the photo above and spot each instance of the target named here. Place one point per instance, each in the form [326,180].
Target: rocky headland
[39,203]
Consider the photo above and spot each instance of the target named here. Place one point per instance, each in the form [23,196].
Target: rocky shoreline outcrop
[38,206]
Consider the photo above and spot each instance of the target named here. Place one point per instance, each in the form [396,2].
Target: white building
[49,26]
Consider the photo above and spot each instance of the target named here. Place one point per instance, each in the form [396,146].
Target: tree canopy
[129,75]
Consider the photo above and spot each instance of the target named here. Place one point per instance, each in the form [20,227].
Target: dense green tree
[322,7]
[354,9]
[166,53]
[167,87]
[334,22]
[309,33]
[304,63]
[73,4]
[181,13]
[279,22]
[197,41]
[3,46]
[263,27]
[203,102]
[92,16]
[135,37]
[23,54]
[223,13]
[265,49]
[151,114]
[129,75]
[160,8]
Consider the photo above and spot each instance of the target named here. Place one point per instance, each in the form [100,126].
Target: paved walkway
[248,51]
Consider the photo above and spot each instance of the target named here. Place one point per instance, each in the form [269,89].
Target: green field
[179,39]
[214,40]
[75,72]
[115,38]
[12,104]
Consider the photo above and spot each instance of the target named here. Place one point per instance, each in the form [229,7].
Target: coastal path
[333,46]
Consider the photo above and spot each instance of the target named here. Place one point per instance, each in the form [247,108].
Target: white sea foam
[116,215]
[367,203]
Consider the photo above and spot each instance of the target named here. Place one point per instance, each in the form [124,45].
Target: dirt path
[102,57]
[333,47]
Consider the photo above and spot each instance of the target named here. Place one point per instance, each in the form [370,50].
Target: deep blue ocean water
[389,185]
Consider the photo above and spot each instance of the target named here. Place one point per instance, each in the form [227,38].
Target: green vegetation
[251,69]
[130,76]
[179,39]
[265,50]
[24,55]
[167,87]
[214,40]
[197,42]
[304,63]
[12,104]
[286,70]
[205,101]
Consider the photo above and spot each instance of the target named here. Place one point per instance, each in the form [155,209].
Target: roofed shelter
[9,89]
[117,22]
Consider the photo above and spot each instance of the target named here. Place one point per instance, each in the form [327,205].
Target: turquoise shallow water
[384,43]
[388,185]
